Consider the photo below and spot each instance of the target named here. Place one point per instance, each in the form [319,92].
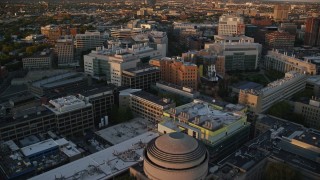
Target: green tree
[281,171]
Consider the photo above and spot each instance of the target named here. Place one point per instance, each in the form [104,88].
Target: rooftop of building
[139,71]
[248,85]
[124,131]
[236,37]
[174,86]
[289,76]
[314,80]
[57,80]
[153,98]
[66,104]
[40,54]
[277,143]
[208,115]
[103,164]
[39,147]
[285,55]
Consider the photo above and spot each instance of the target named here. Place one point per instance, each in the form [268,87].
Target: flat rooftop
[67,103]
[152,98]
[56,78]
[39,147]
[124,131]
[314,80]
[103,164]
[141,70]
[277,143]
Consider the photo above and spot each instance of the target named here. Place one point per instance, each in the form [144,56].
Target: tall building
[149,106]
[282,62]
[310,112]
[231,25]
[280,40]
[281,11]
[178,72]
[312,32]
[237,56]
[64,50]
[276,91]
[221,127]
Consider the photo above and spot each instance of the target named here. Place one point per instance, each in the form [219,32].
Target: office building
[185,94]
[261,100]
[122,33]
[174,156]
[310,112]
[314,60]
[280,12]
[109,63]
[89,40]
[237,56]
[231,25]
[312,31]
[39,60]
[280,40]
[140,78]
[280,142]
[177,72]
[313,84]
[222,127]
[233,39]
[282,62]
[149,106]
[64,50]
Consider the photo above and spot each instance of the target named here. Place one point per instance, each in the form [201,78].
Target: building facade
[276,91]
[310,112]
[280,40]
[140,78]
[231,25]
[148,105]
[64,49]
[280,12]
[281,62]
[178,72]
[40,60]
[312,34]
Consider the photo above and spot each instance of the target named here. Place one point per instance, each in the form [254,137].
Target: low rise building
[260,100]
[310,112]
[140,78]
[282,62]
[280,142]
[280,40]
[149,106]
[222,127]
[313,84]
[40,60]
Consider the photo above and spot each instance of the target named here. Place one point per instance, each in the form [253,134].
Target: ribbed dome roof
[176,143]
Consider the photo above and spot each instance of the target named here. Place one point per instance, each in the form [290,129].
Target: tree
[281,171]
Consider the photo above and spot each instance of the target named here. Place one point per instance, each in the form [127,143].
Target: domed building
[175,156]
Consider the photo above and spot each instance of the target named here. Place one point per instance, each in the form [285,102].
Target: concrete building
[40,60]
[109,63]
[177,72]
[122,33]
[313,83]
[221,127]
[149,106]
[237,56]
[64,50]
[310,112]
[89,40]
[231,25]
[312,34]
[280,142]
[174,156]
[280,12]
[261,100]
[182,92]
[282,62]
[314,60]
[72,114]
[140,78]
[289,27]
[280,40]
